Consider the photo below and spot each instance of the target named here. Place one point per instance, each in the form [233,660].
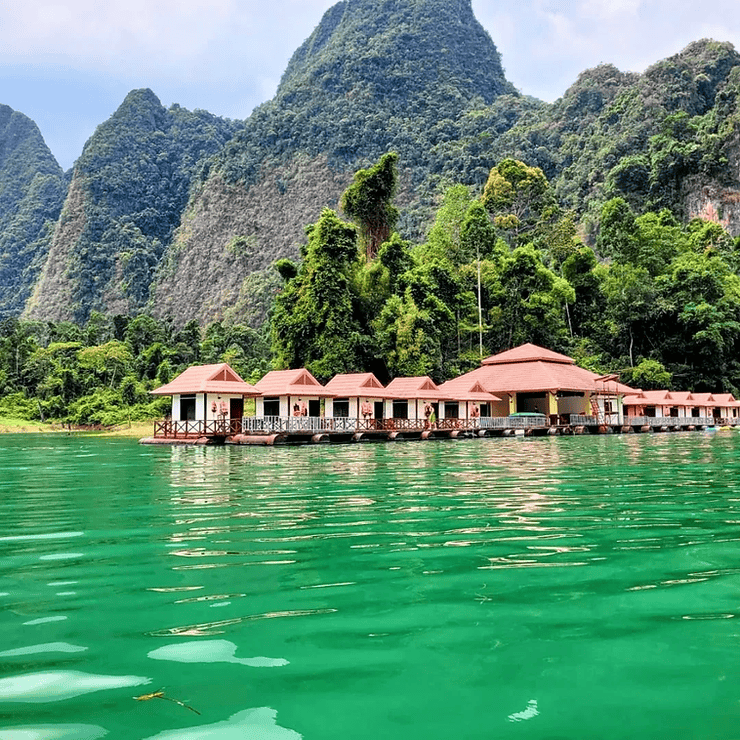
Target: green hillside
[129,189]
[32,188]
[182,213]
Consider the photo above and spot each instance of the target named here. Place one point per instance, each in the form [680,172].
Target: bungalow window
[314,407]
[400,409]
[272,407]
[608,406]
[341,408]
[485,410]
[187,408]
[452,410]
[695,413]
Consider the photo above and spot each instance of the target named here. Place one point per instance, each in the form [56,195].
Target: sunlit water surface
[558,589]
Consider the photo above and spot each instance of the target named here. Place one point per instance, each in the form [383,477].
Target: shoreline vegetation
[656,302]
[134,430]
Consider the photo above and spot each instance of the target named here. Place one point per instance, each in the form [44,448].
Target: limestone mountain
[127,195]
[182,213]
[372,77]
[32,188]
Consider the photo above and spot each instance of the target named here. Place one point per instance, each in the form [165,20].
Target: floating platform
[631,425]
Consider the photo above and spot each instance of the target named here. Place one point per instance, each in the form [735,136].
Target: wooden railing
[320,425]
[187,429]
[675,422]
[512,422]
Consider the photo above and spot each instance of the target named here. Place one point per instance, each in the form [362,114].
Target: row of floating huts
[526,390]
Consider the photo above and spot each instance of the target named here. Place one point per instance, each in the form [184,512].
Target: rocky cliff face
[32,188]
[182,213]
[231,234]
[372,77]
[128,193]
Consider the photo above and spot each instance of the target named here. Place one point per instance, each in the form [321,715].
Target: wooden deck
[313,429]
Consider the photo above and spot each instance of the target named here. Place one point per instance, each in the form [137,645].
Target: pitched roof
[533,369]
[527,353]
[704,399]
[681,398]
[725,399]
[469,391]
[358,385]
[530,377]
[298,382]
[207,379]
[421,386]
[650,398]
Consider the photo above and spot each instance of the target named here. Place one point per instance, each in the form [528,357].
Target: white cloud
[149,35]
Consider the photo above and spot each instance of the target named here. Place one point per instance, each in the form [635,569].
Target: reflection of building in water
[197,474]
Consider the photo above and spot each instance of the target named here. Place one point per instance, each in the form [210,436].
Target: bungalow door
[236,408]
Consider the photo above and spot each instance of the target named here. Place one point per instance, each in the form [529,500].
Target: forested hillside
[373,77]
[32,189]
[182,214]
[127,194]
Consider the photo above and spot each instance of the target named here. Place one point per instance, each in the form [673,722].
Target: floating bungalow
[207,402]
[665,409]
[525,390]
[359,396]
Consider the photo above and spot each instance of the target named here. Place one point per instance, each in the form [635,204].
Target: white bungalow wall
[286,404]
[217,398]
[200,410]
[354,406]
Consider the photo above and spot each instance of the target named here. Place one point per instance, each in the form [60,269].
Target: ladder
[596,411]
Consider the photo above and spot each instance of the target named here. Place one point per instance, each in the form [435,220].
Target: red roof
[527,353]
[725,399]
[470,391]
[680,398]
[420,387]
[704,399]
[207,379]
[292,383]
[532,369]
[652,398]
[359,385]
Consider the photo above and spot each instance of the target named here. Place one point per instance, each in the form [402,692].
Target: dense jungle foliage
[100,373]
[656,301]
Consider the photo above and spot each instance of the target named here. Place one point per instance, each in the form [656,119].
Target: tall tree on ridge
[367,201]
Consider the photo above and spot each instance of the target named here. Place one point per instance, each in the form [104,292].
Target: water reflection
[49,647]
[52,732]
[211,651]
[46,686]
[251,723]
[412,590]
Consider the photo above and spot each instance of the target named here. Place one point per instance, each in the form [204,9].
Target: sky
[68,64]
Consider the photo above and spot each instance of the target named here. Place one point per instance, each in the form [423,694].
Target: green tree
[527,303]
[109,361]
[443,241]
[648,375]
[317,321]
[517,195]
[368,202]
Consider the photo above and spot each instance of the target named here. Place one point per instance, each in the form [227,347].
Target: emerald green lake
[550,588]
